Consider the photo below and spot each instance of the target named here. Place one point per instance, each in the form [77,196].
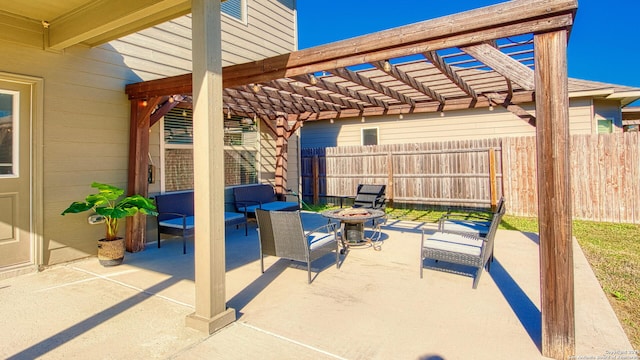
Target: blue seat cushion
[454,243]
[477,227]
[176,223]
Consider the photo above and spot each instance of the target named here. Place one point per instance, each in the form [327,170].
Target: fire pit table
[352,225]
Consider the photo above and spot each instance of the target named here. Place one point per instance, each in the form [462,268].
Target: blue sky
[603,45]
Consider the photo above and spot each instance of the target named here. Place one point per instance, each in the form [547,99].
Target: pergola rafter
[409,80]
[449,72]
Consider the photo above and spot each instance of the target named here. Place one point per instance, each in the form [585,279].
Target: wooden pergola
[501,55]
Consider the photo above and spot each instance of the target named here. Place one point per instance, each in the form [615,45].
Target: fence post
[389,194]
[315,170]
[493,181]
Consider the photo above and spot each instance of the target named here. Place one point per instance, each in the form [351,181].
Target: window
[370,136]
[234,8]
[240,151]
[605,126]
[8,133]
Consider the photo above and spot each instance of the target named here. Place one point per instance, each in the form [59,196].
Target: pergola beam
[451,104]
[515,109]
[503,64]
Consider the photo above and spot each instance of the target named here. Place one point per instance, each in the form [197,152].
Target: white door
[16,245]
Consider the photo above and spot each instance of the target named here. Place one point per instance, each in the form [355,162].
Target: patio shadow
[59,339]
[527,312]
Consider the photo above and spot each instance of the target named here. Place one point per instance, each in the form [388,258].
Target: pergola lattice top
[478,58]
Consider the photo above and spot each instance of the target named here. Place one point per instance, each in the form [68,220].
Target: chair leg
[421,265]
[309,272]
[262,262]
[246,232]
[477,279]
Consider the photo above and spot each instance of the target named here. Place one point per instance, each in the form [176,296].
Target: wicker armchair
[469,220]
[464,248]
[281,234]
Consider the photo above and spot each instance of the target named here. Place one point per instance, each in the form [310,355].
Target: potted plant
[110,204]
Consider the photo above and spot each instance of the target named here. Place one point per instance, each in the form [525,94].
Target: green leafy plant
[110,203]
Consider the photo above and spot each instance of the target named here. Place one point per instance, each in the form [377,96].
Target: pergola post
[138,164]
[554,195]
[211,312]
[281,155]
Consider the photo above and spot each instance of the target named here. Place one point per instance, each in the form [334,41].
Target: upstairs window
[370,136]
[234,8]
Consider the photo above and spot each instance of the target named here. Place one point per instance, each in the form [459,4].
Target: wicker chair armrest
[469,235]
[233,203]
[468,214]
[174,213]
[330,227]
[245,203]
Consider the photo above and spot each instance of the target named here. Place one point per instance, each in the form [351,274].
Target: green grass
[613,251]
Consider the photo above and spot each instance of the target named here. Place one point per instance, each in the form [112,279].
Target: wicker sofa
[175,216]
[260,196]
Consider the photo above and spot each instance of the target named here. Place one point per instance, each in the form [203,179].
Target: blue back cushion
[262,193]
[181,202]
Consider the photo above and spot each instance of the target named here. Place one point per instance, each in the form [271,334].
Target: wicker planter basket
[111,252]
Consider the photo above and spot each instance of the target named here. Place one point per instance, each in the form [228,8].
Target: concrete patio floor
[374,307]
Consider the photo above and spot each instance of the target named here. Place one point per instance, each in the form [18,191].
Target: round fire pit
[352,222]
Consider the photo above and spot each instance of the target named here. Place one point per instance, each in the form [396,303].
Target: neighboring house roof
[631,115]
[586,88]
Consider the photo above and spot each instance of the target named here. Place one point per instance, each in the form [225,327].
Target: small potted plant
[110,203]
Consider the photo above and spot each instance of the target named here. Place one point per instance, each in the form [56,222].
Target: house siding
[459,125]
[86,112]
[608,109]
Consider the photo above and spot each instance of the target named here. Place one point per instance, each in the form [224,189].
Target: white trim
[162,156]
[591,93]
[15,134]
[36,178]
[624,94]
[243,13]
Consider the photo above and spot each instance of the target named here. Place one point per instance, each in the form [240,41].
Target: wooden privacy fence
[444,173]
[604,174]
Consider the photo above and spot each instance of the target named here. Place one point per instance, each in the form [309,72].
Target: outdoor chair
[281,234]
[462,248]
[469,219]
[370,197]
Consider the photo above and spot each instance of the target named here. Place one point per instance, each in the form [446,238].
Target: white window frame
[611,122]
[243,12]
[376,128]
[15,131]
